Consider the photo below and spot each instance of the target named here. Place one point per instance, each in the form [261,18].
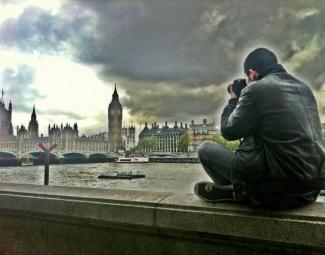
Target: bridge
[67,156]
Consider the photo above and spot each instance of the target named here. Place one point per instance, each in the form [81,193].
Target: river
[166,177]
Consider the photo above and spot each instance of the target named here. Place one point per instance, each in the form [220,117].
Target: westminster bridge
[78,150]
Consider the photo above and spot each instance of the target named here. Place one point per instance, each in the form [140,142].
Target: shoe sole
[222,187]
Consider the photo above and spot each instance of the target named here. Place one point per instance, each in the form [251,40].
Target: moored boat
[132,160]
[122,175]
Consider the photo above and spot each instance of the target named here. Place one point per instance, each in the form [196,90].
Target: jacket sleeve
[239,117]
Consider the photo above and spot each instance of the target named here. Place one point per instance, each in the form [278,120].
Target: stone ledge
[167,212]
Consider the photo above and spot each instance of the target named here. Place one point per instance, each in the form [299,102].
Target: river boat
[27,162]
[122,175]
[132,160]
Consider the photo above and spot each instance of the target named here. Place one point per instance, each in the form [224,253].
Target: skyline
[59,124]
[65,56]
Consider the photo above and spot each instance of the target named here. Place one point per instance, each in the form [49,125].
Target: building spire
[34,114]
[115,94]
[2,94]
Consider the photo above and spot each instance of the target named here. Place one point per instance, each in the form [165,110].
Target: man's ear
[253,74]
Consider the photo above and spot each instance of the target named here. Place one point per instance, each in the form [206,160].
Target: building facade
[67,138]
[128,138]
[165,137]
[27,140]
[115,112]
[33,125]
[5,118]
[200,132]
[32,131]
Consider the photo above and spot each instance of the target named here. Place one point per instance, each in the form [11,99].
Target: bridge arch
[98,155]
[74,157]
[74,154]
[8,154]
[37,154]
[8,158]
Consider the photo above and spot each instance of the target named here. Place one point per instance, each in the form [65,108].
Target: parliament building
[65,136]
[5,118]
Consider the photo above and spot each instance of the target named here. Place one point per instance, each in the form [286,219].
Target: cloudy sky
[171,60]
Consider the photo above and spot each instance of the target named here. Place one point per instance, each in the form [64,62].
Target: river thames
[168,177]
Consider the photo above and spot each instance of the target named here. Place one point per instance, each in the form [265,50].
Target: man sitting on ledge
[279,162]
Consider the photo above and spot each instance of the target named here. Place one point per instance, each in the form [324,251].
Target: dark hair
[259,60]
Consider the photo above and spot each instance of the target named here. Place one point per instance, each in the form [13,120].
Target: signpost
[47,160]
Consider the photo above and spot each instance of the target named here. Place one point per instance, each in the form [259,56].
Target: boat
[132,160]
[122,175]
[170,159]
[27,162]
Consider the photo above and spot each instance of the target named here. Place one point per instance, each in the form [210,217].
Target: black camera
[237,86]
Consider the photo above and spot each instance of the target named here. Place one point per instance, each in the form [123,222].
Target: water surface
[170,177]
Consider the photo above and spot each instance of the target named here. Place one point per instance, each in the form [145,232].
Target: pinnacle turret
[115,94]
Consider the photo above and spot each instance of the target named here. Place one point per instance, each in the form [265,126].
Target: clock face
[115,112]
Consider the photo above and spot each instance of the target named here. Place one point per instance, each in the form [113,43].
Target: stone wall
[66,220]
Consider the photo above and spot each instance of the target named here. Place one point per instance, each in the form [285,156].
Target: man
[279,162]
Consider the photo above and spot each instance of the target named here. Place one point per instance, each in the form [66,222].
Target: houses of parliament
[66,136]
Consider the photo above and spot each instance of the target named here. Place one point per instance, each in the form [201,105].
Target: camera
[237,86]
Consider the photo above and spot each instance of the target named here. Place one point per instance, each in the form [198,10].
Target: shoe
[211,192]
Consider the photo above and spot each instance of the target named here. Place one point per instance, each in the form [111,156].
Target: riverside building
[199,132]
[165,137]
[128,137]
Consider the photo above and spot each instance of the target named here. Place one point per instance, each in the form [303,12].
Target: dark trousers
[217,162]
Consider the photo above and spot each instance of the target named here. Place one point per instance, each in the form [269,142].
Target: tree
[233,145]
[147,143]
[183,142]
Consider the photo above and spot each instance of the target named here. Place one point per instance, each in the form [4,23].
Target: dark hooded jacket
[281,149]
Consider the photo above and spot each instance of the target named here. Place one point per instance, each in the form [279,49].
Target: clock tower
[115,123]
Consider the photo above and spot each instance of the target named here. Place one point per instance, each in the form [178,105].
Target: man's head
[258,61]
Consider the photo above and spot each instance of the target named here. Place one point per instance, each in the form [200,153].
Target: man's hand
[231,92]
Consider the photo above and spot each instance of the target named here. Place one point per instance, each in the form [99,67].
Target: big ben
[115,123]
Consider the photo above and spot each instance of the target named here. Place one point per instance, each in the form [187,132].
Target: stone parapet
[67,220]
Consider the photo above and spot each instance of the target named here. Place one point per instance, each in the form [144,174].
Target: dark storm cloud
[171,57]
[172,104]
[37,30]
[188,45]
[195,41]
[17,84]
